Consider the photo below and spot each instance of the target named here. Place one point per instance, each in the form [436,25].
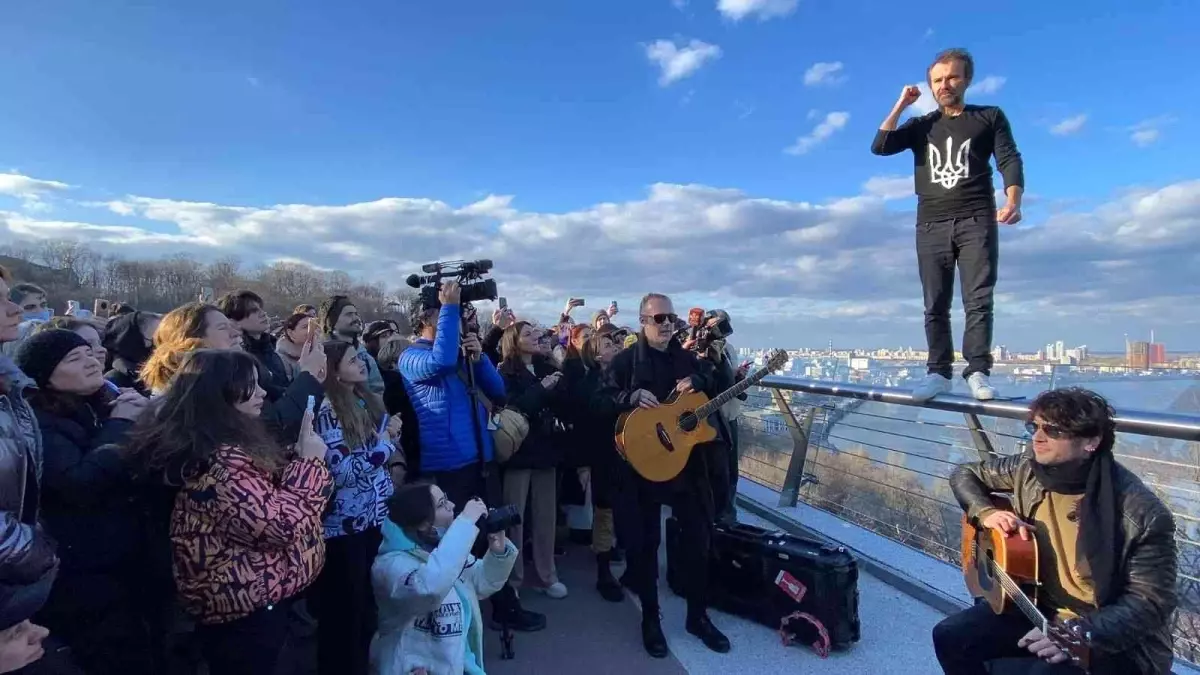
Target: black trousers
[734,454]
[343,603]
[966,641]
[971,243]
[247,646]
[639,516]
[103,619]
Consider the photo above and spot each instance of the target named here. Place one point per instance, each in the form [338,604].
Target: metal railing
[876,457]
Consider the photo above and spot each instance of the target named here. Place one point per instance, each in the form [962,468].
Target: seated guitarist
[651,371]
[1106,548]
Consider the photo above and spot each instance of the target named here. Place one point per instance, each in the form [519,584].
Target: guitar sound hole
[989,560]
[688,421]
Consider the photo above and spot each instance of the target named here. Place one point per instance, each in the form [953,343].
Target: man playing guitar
[1106,549]
[653,369]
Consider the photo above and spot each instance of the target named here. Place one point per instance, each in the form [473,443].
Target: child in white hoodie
[428,585]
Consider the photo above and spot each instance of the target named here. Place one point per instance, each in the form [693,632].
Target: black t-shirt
[952,160]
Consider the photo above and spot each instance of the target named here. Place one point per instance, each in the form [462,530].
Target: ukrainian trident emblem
[951,169]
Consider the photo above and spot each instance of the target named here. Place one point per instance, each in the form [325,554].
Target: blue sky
[559,105]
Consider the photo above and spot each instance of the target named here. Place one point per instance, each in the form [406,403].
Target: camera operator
[428,585]
[456,446]
[650,371]
[712,344]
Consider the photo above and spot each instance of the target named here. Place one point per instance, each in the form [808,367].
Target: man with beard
[1106,549]
[340,321]
[956,213]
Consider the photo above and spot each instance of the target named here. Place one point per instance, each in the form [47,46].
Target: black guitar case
[754,572]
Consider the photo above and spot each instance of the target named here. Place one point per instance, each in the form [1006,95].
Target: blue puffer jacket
[439,397]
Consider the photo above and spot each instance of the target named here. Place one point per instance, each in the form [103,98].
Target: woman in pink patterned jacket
[246,526]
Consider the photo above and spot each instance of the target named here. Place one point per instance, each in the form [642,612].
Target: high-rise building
[1137,354]
[1158,354]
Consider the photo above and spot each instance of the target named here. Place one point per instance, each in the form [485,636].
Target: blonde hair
[180,333]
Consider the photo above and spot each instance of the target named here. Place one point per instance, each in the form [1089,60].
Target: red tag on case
[790,585]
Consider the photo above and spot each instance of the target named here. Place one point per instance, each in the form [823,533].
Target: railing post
[983,444]
[800,432]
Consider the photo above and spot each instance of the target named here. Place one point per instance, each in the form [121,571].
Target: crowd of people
[199,486]
[194,489]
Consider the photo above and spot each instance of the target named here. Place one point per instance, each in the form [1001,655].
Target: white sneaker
[981,388]
[931,386]
[556,590]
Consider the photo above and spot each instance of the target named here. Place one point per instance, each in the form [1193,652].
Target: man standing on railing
[956,213]
[1106,554]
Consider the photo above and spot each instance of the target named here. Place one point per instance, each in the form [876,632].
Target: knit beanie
[331,311]
[41,353]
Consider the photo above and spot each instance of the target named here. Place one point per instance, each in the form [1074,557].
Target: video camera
[468,274]
[704,330]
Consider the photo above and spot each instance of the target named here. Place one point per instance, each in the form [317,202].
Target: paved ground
[588,636]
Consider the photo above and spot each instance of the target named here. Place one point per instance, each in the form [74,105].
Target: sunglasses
[660,319]
[1052,430]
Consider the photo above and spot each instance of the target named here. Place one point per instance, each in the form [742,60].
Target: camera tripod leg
[506,642]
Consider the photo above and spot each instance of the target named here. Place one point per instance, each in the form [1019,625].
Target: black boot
[506,609]
[606,583]
[701,626]
[652,633]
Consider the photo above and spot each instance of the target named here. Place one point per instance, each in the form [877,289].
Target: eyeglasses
[660,319]
[1052,430]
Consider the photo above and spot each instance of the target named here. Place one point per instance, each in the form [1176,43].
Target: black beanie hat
[41,353]
[331,311]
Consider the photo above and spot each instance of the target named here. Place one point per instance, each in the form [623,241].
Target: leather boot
[652,634]
[610,589]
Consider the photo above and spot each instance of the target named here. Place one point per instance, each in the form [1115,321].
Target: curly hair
[1082,413]
[180,333]
[196,417]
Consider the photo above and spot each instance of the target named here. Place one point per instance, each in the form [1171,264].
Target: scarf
[1098,517]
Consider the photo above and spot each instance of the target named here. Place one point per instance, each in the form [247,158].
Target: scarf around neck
[1098,517]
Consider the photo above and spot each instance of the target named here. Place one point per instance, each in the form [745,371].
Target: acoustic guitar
[1003,570]
[657,442]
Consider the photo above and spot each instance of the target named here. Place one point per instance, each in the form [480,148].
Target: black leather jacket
[1135,608]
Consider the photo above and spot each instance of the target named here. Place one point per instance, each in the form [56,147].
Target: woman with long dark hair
[245,528]
[428,584]
[593,419]
[87,505]
[530,475]
[360,442]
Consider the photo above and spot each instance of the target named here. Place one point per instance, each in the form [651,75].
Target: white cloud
[765,9]
[841,266]
[16,185]
[677,60]
[679,4]
[824,73]
[31,191]
[1148,131]
[988,85]
[889,187]
[1070,125]
[831,124]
